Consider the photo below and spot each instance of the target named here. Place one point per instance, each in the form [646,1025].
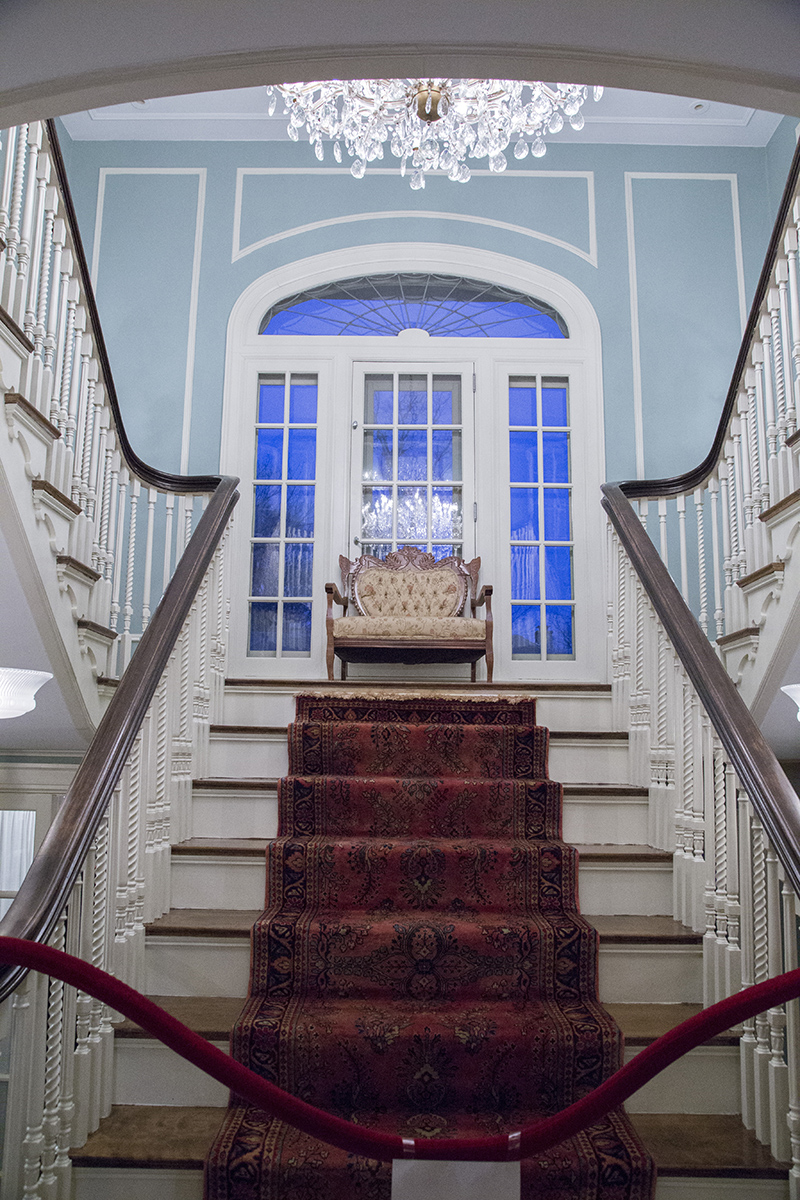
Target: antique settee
[409,608]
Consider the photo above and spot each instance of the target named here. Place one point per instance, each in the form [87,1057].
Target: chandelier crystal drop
[430,124]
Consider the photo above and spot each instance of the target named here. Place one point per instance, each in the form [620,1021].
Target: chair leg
[344,670]
[329,661]
[473,671]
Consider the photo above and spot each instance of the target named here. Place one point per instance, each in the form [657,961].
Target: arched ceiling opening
[59,58]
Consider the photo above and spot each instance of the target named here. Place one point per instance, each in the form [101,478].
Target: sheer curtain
[16,850]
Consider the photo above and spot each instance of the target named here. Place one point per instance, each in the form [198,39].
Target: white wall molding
[240,251]
[191,340]
[630,176]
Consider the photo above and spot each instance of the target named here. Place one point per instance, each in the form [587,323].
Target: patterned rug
[421,967]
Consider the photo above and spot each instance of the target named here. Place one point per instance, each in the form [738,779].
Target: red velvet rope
[532,1139]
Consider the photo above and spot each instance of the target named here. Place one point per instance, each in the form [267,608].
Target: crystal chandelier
[430,124]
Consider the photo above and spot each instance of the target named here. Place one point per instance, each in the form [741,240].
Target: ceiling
[626,117]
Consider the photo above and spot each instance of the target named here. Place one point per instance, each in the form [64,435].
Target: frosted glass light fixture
[430,124]
[792,690]
[18,690]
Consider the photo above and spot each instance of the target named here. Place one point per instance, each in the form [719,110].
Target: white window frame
[332,359]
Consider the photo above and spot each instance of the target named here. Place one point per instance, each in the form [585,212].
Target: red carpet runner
[421,967]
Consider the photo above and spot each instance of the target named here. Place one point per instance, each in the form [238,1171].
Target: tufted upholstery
[416,627]
[382,593]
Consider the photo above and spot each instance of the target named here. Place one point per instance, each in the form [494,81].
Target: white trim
[733,180]
[238,251]
[191,337]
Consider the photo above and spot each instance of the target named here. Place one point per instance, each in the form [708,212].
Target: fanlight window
[442,305]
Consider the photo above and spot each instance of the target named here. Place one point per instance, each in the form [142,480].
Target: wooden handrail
[680,484]
[46,888]
[772,796]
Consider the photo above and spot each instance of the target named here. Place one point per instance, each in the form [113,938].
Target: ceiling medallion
[430,124]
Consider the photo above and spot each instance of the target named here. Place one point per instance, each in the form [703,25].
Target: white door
[412,459]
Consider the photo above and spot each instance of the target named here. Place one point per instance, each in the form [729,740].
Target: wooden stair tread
[324,687]
[641,1024]
[224,922]
[692,1144]
[213,1016]
[231,847]
[210,1016]
[204,922]
[688,1145]
[609,852]
[225,785]
[151,1136]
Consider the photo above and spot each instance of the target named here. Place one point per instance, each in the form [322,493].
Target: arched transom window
[442,305]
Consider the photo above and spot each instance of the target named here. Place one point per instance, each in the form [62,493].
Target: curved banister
[35,909]
[651,488]
[771,794]
[149,475]
[47,885]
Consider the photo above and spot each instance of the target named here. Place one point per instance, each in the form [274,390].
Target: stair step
[207,952]
[141,1151]
[249,751]
[247,808]
[231,872]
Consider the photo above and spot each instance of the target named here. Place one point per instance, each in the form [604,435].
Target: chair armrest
[485,597]
[334,597]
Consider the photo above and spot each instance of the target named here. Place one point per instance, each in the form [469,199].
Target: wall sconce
[792,690]
[18,690]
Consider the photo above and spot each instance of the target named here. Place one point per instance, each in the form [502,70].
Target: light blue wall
[662,226]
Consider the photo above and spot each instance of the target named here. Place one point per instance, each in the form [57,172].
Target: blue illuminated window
[542,583]
[284,490]
[443,305]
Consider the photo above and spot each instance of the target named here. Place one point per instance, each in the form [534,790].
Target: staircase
[197,956]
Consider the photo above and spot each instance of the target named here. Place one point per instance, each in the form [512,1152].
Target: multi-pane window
[411,477]
[282,556]
[542,590]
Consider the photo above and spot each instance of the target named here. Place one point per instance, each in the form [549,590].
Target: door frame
[333,358]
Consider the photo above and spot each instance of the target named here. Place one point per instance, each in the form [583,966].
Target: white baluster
[789,901]
[152,497]
[699,509]
[662,531]
[776,1017]
[28,304]
[761,973]
[719,612]
[17,304]
[733,961]
[684,559]
[747,1042]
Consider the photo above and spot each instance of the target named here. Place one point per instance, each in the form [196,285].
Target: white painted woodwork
[146,1072]
[188,966]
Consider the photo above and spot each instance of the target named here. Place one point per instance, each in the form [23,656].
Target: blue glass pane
[303,400]
[554,405]
[412,454]
[269,454]
[387,316]
[270,401]
[446,516]
[263,628]
[300,511]
[556,515]
[446,551]
[555,457]
[446,454]
[376,549]
[412,512]
[298,569]
[524,572]
[559,629]
[522,453]
[378,400]
[265,569]
[267,520]
[376,513]
[526,640]
[522,404]
[302,454]
[412,400]
[525,514]
[447,399]
[296,628]
[377,454]
[558,572]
